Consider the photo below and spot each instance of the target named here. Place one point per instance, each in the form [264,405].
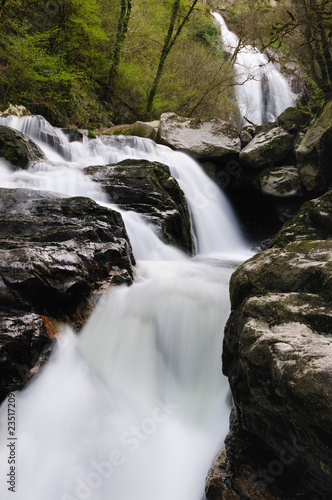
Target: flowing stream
[262,92]
[135,406]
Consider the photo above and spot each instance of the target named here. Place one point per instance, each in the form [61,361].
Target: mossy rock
[294,120]
[18,149]
[313,222]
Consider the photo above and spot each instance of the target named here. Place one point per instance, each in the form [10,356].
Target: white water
[134,407]
[262,91]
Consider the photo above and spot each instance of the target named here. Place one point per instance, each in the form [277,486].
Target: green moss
[91,134]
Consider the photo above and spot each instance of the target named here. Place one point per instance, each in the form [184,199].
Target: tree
[126,6]
[170,39]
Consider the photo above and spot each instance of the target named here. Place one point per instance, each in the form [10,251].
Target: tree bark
[126,6]
[169,41]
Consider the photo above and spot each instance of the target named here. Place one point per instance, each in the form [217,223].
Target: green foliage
[56,59]
[203,30]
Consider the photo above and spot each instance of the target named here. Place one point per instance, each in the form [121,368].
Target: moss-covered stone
[17,148]
[277,355]
[313,222]
[294,119]
[314,155]
[267,149]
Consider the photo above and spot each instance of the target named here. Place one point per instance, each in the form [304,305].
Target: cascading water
[262,91]
[135,406]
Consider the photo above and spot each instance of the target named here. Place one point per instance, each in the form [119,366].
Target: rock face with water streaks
[215,140]
[56,252]
[148,188]
[278,358]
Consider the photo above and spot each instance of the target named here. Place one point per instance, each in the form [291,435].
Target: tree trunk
[126,6]
[169,41]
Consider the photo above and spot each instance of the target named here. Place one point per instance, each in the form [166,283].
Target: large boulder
[280,182]
[294,119]
[56,254]
[148,130]
[149,189]
[215,140]
[278,357]
[314,154]
[267,149]
[18,149]
[313,222]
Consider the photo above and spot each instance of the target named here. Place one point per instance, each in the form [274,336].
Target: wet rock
[18,149]
[267,149]
[149,189]
[278,357]
[214,140]
[55,250]
[26,340]
[56,254]
[74,135]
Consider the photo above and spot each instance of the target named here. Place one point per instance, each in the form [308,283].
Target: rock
[149,189]
[55,251]
[56,254]
[214,140]
[294,119]
[280,182]
[314,155]
[146,129]
[73,134]
[16,110]
[18,149]
[313,222]
[245,137]
[267,149]
[217,481]
[278,357]
[25,343]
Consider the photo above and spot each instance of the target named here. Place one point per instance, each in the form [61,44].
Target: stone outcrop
[56,254]
[215,140]
[277,355]
[293,119]
[18,149]
[313,222]
[267,148]
[148,188]
[280,182]
[314,154]
[148,130]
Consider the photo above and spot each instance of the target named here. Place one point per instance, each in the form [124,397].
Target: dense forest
[92,62]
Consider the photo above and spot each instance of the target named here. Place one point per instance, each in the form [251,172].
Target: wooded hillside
[92,62]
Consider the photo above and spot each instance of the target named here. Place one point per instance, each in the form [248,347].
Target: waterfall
[262,91]
[134,407]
